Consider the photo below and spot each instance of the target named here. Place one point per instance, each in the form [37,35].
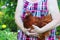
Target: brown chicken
[30,20]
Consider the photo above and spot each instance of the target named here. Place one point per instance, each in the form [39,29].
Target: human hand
[32,33]
[37,29]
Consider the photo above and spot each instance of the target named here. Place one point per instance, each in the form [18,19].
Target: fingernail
[32,25]
[32,30]
[29,28]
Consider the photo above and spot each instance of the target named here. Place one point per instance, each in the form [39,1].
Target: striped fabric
[37,9]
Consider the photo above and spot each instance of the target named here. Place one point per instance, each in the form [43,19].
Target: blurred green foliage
[8,28]
[7,9]
[58,28]
[7,35]
[59,4]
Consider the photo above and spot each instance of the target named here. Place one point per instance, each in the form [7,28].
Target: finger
[28,29]
[28,33]
[36,35]
[33,34]
[33,31]
[35,27]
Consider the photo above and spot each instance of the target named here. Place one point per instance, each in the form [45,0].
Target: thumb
[35,27]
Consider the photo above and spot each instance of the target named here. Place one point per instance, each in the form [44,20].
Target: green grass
[7,35]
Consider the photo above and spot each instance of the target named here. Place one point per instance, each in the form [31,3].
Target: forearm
[18,14]
[19,23]
[18,20]
[50,26]
[53,9]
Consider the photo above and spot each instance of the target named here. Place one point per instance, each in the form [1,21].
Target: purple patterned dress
[37,9]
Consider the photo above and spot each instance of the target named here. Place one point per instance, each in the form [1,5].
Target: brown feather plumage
[30,20]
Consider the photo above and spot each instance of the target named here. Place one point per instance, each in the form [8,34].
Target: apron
[37,9]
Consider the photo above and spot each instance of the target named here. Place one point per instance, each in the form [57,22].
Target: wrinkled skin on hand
[30,20]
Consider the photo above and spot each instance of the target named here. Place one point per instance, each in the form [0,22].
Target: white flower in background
[11,4]
[7,4]
[3,6]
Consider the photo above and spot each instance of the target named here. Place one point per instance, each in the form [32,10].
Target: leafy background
[8,28]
